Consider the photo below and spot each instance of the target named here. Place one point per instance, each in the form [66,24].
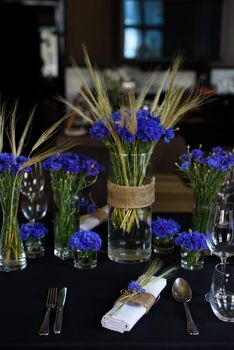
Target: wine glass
[220,230]
[34,207]
[33,181]
[226,193]
[222,292]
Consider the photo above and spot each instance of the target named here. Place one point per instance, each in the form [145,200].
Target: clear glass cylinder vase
[192,260]
[163,245]
[12,254]
[85,259]
[35,247]
[66,222]
[129,227]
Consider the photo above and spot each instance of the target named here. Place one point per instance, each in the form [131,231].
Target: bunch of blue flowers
[148,129]
[70,173]
[165,228]
[33,231]
[85,241]
[11,165]
[206,174]
[163,231]
[191,241]
[193,245]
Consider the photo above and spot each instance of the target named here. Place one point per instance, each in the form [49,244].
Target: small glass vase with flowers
[163,233]
[192,245]
[33,237]
[85,245]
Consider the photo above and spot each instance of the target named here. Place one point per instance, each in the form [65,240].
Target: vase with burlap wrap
[130,196]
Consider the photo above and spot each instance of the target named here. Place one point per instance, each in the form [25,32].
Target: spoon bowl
[182,292]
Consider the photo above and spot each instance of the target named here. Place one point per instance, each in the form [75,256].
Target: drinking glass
[222,292]
[33,181]
[220,230]
[34,207]
[226,193]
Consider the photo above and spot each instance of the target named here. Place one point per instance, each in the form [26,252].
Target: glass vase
[192,260]
[130,195]
[200,215]
[12,254]
[85,260]
[35,247]
[163,245]
[66,222]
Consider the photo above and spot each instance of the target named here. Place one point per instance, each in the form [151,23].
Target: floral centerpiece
[12,167]
[163,232]
[69,173]
[85,245]
[33,237]
[206,174]
[131,134]
[192,245]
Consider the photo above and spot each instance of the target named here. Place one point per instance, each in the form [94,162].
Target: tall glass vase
[66,222]
[201,214]
[130,195]
[12,255]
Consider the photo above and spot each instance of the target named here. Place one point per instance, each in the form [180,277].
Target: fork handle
[45,329]
[191,327]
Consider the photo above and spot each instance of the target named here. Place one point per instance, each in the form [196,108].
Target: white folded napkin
[128,315]
[89,221]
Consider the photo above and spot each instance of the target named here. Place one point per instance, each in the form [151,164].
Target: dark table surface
[91,294]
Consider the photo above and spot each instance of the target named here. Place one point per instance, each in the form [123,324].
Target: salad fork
[50,304]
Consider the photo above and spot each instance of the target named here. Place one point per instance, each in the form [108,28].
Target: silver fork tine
[50,304]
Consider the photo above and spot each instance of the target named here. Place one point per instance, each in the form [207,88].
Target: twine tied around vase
[145,299]
[131,197]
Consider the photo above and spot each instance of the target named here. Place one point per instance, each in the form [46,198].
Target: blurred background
[127,40]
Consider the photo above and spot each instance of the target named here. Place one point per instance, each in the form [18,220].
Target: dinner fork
[50,304]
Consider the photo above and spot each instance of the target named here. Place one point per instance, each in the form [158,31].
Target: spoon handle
[191,327]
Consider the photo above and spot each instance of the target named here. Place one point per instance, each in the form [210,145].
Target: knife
[59,310]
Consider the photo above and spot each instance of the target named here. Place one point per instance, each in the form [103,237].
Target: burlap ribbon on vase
[147,300]
[130,197]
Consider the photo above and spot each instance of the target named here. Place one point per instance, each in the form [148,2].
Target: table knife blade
[59,310]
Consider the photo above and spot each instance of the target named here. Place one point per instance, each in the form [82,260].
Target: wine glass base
[207,297]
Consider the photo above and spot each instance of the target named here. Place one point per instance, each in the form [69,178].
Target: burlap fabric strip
[147,300]
[130,197]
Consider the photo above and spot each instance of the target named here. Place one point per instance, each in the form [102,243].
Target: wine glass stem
[224,262]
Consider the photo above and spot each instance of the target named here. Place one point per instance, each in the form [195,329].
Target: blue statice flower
[85,241]
[164,228]
[11,164]
[134,287]
[72,163]
[191,241]
[36,231]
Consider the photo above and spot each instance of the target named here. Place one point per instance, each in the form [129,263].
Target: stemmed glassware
[33,200]
[220,232]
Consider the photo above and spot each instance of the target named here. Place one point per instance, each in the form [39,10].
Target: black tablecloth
[91,294]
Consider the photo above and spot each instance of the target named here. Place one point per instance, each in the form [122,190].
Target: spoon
[182,292]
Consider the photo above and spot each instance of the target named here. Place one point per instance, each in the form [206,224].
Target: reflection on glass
[132,43]
[132,14]
[153,12]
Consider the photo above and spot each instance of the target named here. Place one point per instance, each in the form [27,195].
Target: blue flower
[11,164]
[193,241]
[72,163]
[163,228]
[85,240]
[36,231]
[185,165]
[197,153]
[149,127]
[134,287]
[169,134]
[99,130]
[91,208]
